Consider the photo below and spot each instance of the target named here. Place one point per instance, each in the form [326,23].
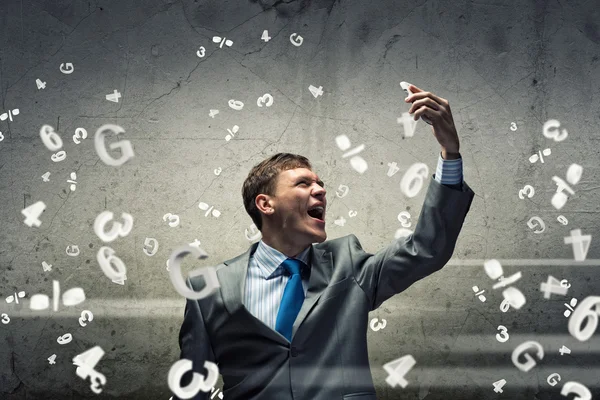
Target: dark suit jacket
[327,358]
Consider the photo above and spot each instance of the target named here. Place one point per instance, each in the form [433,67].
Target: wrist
[450,155]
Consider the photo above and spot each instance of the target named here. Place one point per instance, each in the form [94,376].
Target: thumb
[414,89]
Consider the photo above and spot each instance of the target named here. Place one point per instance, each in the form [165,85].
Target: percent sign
[217,39]
[71,297]
[73,181]
[534,158]
[357,162]
[216,392]
[203,206]
[9,114]
[232,133]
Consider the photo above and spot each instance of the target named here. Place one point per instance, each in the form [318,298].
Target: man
[289,321]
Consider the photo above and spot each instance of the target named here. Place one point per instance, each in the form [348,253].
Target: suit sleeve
[408,259]
[194,343]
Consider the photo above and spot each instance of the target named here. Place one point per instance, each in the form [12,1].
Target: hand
[438,111]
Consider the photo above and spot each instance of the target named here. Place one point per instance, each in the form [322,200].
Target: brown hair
[262,180]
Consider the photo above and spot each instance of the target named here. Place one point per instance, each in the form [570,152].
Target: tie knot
[292,265]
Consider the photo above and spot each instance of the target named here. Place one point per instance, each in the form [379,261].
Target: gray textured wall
[497,62]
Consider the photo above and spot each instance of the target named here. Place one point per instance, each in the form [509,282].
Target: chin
[320,238]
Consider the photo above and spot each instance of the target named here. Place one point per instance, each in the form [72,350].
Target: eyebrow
[306,178]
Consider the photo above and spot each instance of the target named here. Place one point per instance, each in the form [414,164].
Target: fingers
[420,94]
[422,102]
[432,114]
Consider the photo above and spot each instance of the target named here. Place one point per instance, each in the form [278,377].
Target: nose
[319,191]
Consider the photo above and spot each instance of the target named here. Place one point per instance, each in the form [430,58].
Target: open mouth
[317,213]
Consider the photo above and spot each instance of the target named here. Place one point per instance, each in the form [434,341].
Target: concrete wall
[498,62]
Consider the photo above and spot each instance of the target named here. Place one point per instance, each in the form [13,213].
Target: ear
[263,203]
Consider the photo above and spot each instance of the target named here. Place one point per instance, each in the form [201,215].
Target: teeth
[321,209]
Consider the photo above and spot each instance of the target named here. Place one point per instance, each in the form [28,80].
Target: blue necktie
[291,302]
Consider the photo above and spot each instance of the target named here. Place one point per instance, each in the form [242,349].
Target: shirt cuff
[449,172]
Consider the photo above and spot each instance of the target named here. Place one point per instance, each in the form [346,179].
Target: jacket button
[294,352]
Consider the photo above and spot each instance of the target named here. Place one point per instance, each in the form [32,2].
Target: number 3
[199,382]
[503,335]
[117,229]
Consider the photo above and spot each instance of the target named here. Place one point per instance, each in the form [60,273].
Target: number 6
[584,312]
[112,266]
[50,138]
[412,181]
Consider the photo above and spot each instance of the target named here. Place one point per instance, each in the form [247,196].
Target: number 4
[552,285]
[498,385]
[265,36]
[33,212]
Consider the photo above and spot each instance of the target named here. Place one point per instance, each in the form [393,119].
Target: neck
[279,243]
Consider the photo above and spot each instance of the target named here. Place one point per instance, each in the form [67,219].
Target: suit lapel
[320,274]
[233,281]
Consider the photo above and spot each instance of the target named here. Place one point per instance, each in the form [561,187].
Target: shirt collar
[269,260]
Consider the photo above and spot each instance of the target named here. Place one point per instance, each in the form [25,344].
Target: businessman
[290,319]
